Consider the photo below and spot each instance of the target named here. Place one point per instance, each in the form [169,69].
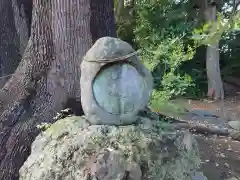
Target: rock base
[72,149]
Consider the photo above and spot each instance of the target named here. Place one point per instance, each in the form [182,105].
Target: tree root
[194,128]
[203,129]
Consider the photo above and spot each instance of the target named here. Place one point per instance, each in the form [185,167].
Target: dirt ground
[220,155]
[220,158]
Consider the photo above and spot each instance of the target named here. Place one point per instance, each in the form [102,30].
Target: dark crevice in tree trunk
[9,41]
[14,35]
[48,74]
[102,19]
[26,7]
[75,105]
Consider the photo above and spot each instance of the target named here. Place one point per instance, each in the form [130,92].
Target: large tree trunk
[14,34]
[102,19]
[206,10]
[47,76]
[215,84]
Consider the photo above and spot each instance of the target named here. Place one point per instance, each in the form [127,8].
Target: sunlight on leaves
[211,32]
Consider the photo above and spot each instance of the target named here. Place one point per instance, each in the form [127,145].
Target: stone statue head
[115,85]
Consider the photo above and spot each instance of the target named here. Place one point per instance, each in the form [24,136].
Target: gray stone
[196,175]
[113,90]
[203,113]
[72,149]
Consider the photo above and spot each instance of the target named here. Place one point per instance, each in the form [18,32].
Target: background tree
[218,23]
[215,84]
[161,27]
[48,74]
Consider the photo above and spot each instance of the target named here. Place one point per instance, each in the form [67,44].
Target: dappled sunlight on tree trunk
[215,84]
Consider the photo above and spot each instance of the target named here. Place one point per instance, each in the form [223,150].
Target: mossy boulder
[72,149]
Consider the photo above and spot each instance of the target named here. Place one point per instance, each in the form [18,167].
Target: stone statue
[115,85]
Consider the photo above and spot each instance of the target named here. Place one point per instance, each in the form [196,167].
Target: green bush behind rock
[72,149]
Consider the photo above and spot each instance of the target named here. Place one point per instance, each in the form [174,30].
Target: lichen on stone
[73,149]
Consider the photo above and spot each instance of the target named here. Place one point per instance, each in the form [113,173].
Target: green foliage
[211,32]
[125,29]
[161,34]
[176,85]
[166,107]
[126,23]
[168,36]
[230,53]
[226,31]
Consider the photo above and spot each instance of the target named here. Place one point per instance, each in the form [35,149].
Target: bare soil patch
[220,157]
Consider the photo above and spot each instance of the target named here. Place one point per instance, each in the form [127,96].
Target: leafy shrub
[160,30]
[161,34]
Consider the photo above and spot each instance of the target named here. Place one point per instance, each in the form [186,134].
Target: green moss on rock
[73,149]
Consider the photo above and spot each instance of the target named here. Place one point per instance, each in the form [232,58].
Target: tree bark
[14,28]
[102,19]
[215,84]
[207,11]
[48,73]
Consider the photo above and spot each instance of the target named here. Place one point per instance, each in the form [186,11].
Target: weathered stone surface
[72,149]
[113,91]
[198,176]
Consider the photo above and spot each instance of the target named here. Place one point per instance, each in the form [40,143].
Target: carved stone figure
[115,85]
